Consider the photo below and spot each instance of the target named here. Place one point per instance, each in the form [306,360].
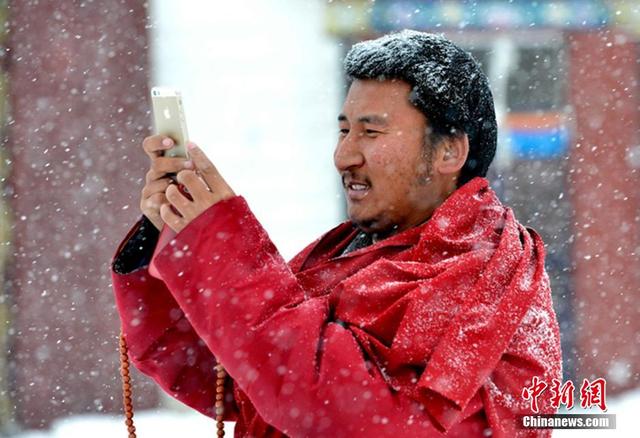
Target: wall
[604,181]
[78,87]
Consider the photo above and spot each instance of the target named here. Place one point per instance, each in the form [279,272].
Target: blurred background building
[262,87]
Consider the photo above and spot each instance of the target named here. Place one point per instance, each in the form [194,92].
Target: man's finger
[206,169]
[155,145]
[170,164]
[175,222]
[181,203]
[156,186]
[195,185]
[153,202]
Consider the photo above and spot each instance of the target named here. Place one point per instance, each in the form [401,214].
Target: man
[426,314]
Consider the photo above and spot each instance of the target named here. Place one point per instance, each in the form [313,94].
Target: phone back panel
[169,120]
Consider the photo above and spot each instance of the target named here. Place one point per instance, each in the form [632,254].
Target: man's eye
[371,132]
[344,131]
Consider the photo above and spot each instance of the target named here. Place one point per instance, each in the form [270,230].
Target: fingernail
[167,142]
[188,164]
[191,145]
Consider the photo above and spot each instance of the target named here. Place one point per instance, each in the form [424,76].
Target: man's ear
[452,154]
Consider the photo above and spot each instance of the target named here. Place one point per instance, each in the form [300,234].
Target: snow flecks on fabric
[473,328]
[442,223]
[537,323]
[504,398]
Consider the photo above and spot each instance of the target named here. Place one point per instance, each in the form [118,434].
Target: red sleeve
[162,344]
[305,374]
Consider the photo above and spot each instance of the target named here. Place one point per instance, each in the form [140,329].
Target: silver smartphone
[169,119]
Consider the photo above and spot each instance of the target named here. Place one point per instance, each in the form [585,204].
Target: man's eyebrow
[370,118]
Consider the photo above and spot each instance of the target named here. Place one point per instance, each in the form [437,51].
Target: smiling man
[425,314]
[382,139]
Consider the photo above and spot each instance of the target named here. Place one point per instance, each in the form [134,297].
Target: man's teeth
[358,186]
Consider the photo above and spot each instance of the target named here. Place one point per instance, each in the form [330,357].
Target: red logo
[533,392]
[562,395]
[591,393]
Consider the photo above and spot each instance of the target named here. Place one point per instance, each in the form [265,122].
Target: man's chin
[370,225]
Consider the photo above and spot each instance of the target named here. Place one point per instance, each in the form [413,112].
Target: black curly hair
[448,88]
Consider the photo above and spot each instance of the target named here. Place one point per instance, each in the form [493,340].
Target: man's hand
[205,185]
[157,181]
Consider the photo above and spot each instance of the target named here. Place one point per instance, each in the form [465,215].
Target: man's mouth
[357,190]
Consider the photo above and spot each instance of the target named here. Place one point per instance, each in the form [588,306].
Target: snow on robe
[434,331]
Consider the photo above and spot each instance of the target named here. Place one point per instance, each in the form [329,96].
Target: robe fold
[434,331]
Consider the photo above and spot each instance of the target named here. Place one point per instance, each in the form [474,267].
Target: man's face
[386,170]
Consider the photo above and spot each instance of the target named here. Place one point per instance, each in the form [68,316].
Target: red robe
[434,331]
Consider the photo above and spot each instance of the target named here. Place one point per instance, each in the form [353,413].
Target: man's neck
[378,236]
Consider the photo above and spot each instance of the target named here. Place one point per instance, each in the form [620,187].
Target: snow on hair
[448,87]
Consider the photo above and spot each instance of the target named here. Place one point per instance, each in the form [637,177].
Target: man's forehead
[388,86]
[373,118]
[371,96]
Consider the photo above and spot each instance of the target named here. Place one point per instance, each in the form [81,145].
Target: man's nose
[348,154]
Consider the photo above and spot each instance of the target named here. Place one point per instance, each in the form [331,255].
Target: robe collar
[332,244]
